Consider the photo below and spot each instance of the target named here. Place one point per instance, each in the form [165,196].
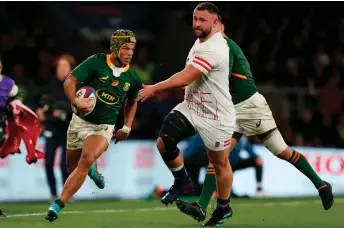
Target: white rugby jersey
[209,96]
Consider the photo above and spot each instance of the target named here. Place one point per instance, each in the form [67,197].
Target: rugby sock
[180,175]
[60,203]
[300,162]
[209,186]
[224,204]
[259,177]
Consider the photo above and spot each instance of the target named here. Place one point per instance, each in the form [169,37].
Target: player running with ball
[88,137]
[207,109]
[253,117]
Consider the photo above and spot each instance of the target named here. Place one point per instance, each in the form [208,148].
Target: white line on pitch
[292,203]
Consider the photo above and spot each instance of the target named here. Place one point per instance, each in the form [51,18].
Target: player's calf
[224,180]
[275,143]
[174,161]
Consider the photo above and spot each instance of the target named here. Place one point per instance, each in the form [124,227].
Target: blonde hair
[69,58]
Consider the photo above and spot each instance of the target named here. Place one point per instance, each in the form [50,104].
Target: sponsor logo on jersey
[103,78]
[114,83]
[107,97]
[126,86]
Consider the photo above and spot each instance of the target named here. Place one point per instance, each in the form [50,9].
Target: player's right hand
[84,105]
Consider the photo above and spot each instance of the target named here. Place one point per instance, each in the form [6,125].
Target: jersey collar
[116,70]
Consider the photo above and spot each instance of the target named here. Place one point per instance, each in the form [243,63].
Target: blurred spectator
[55,112]
[330,98]
[292,50]
[22,81]
[305,130]
[143,65]
[283,123]
[154,109]
[340,130]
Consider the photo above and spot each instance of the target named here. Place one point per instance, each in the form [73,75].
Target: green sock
[209,187]
[300,162]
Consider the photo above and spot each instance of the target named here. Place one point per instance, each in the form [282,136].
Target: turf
[249,213]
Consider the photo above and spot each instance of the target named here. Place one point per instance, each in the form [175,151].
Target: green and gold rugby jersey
[241,82]
[113,87]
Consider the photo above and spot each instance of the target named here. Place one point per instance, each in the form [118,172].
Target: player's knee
[275,143]
[259,162]
[168,148]
[210,165]
[286,154]
[87,160]
[160,145]
[219,163]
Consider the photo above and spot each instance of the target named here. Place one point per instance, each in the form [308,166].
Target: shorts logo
[126,86]
[114,83]
[73,136]
[107,97]
[258,123]
[217,144]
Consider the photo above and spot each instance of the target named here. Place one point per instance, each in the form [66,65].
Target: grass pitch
[248,213]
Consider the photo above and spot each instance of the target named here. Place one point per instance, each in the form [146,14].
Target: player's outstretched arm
[180,79]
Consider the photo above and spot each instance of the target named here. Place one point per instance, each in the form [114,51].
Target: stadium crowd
[291,48]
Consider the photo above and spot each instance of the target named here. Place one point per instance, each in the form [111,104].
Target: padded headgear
[119,38]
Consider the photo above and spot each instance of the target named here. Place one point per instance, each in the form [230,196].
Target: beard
[203,34]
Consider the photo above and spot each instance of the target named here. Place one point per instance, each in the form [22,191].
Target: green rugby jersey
[241,82]
[113,86]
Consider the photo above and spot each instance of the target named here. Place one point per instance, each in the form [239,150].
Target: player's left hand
[120,136]
[145,93]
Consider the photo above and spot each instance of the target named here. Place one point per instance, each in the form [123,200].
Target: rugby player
[254,117]
[88,137]
[207,109]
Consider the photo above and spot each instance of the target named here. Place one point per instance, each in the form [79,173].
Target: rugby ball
[85,92]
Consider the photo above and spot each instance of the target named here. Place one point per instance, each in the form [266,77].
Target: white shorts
[253,116]
[215,135]
[80,129]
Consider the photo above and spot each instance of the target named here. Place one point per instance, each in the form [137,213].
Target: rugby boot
[2,214]
[192,209]
[326,196]
[97,178]
[219,216]
[54,210]
[176,190]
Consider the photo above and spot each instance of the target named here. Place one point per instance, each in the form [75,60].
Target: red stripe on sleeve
[202,65]
[204,61]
